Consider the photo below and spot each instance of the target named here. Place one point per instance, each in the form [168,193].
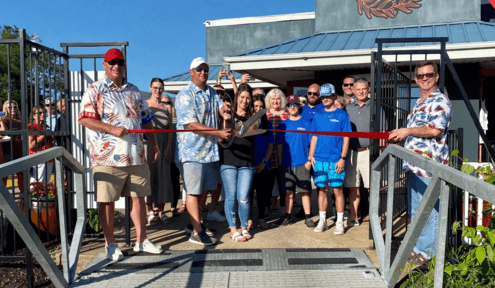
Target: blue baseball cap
[327,90]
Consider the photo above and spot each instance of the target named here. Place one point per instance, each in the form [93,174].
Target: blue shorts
[325,175]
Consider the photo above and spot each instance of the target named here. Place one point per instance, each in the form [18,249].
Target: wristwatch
[264,161]
[342,157]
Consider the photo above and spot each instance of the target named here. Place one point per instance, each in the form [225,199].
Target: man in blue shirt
[314,105]
[295,168]
[328,154]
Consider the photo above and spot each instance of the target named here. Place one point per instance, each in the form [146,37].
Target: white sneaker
[322,226]
[332,220]
[148,246]
[339,228]
[113,252]
[215,216]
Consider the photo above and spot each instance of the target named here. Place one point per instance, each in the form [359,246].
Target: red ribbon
[365,135]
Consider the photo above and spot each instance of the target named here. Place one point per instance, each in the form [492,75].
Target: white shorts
[357,166]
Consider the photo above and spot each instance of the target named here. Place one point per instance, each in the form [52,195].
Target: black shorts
[296,179]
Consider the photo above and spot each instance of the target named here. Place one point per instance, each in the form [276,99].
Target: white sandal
[237,237]
[152,219]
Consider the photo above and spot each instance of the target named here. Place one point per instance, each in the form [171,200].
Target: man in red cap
[111,107]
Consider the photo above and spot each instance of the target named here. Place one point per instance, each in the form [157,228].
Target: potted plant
[44,212]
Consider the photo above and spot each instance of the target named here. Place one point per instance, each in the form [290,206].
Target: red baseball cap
[293,99]
[114,53]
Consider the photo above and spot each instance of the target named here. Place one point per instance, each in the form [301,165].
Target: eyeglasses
[199,69]
[348,84]
[428,75]
[292,105]
[312,93]
[118,62]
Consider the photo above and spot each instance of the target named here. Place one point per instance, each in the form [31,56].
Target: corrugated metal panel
[466,32]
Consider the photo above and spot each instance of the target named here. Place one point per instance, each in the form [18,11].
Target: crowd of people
[275,163]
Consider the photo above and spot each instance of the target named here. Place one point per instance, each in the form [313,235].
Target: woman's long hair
[264,119]
[6,109]
[242,88]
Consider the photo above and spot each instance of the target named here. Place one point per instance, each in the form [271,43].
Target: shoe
[148,246]
[208,231]
[262,224]
[366,219]
[300,214]
[202,239]
[310,223]
[279,221]
[152,218]
[322,226]
[165,219]
[215,216]
[339,228]
[113,252]
[332,220]
[351,223]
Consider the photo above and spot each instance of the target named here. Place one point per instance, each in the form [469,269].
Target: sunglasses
[292,105]
[48,105]
[199,69]
[118,62]
[428,75]
[14,107]
[312,93]
[348,84]
[167,102]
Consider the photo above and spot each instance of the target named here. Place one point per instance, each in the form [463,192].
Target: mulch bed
[14,273]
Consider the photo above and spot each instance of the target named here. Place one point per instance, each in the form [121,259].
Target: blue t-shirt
[261,144]
[329,148]
[308,112]
[296,145]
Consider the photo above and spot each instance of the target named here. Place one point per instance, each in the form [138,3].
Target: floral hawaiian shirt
[122,107]
[195,105]
[435,112]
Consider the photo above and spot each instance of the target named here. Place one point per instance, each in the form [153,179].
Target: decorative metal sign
[388,8]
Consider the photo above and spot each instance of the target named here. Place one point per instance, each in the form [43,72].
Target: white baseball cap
[198,61]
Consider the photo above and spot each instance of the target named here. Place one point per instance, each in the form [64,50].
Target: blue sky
[164,36]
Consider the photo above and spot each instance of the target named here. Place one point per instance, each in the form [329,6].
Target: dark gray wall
[224,41]
[335,15]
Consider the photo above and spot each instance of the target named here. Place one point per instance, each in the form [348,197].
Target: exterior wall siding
[224,41]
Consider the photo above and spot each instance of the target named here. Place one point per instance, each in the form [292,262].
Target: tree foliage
[44,71]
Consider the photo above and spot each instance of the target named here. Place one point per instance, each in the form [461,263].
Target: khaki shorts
[356,167]
[113,182]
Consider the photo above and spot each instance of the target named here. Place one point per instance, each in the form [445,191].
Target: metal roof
[212,75]
[462,32]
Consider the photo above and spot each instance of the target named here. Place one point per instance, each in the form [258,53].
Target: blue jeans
[237,183]
[427,241]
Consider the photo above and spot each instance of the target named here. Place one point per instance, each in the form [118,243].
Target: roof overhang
[280,68]
[176,86]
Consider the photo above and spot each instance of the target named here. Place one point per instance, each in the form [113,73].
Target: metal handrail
[437,188]
[24,228]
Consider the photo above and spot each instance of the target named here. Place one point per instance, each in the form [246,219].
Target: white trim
[461,51]
[260,19]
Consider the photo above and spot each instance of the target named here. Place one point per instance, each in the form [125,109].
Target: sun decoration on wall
[386,8]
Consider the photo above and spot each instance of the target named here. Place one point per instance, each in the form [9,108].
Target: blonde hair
[6,109]
[341,100]
[273,92]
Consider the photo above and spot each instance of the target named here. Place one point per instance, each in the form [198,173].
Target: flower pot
[44,215]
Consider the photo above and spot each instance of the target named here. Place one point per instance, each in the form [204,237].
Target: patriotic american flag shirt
[121,107]
[435,112]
